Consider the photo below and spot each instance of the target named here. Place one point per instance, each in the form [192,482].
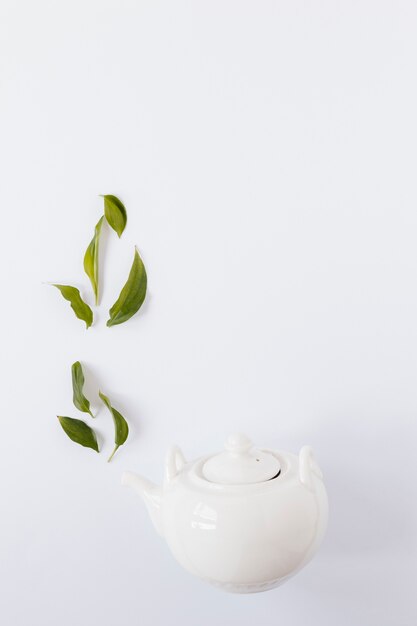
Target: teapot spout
[151,494]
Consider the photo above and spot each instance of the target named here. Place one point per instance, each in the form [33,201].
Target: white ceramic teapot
[244,520]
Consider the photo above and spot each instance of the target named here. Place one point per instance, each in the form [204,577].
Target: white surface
[266,153]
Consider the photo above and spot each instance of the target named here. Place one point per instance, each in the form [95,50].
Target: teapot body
[245,538]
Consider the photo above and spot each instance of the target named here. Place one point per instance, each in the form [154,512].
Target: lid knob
[238,443]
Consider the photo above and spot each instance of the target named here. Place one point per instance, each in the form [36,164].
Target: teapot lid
[241,464]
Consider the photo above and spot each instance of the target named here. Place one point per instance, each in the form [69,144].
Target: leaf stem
[112,454]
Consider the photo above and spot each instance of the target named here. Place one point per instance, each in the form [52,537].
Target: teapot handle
[174,463]
[308,466]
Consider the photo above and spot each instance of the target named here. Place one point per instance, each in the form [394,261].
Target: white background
[266,154]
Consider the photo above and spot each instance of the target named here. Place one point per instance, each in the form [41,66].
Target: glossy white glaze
[242,537]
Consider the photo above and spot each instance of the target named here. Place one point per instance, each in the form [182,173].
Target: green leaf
[132,295]
[78,398]
[79,432]
[115,213]
[91,259]
[121,427]
[80,308]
